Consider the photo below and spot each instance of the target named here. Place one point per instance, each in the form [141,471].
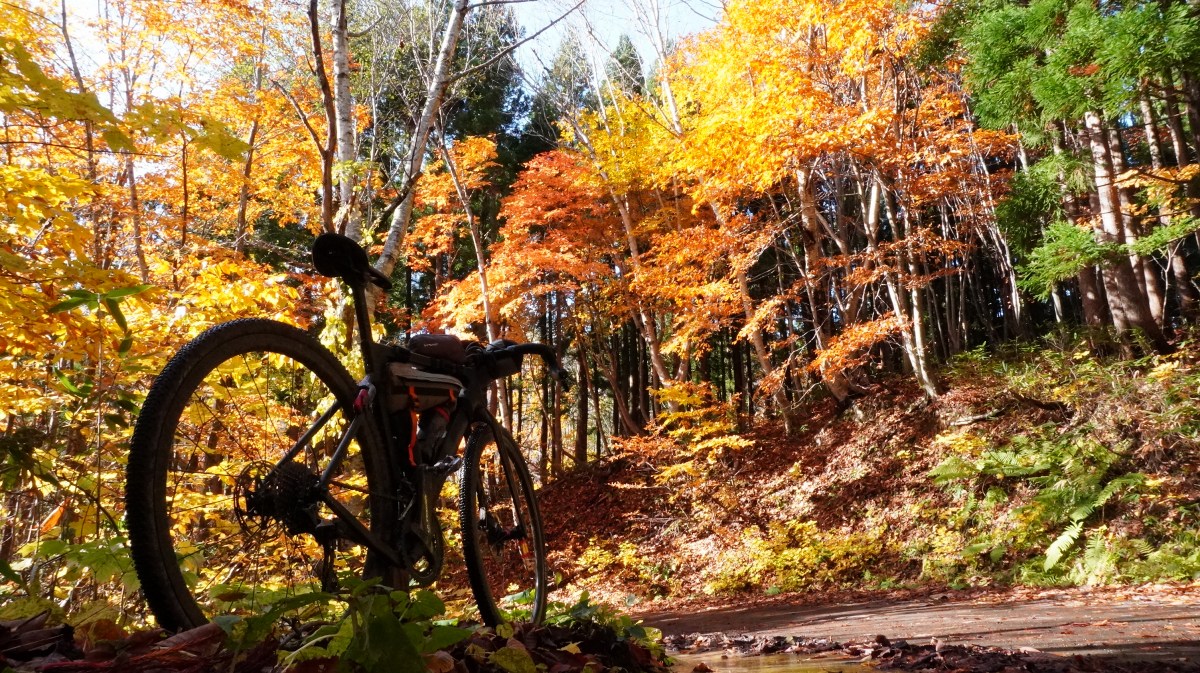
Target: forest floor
[1150,628]
[694,548]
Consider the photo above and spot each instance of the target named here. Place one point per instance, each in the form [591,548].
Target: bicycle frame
[470,410]
[305,451]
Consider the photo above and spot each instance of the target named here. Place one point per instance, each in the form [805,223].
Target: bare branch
[361,33]
[399,198]
[513,47]
[81,151]
[303,117]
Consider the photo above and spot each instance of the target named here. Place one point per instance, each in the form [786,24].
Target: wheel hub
[285,494]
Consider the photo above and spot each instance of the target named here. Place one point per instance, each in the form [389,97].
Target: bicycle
[260,470]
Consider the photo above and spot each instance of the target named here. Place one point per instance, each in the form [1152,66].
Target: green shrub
[796,555]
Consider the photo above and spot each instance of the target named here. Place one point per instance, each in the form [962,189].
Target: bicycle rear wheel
[503,545]
[218,522]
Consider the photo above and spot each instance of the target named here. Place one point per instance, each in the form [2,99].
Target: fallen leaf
[439,662]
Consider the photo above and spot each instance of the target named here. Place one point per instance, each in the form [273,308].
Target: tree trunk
[243,226]
[1150,126]
[1189,299]
[1191,100]
[644,318]
[1095,308]
[435,90]
[1189,302]
[582,392]
[1174,119]
[760,348]
[813,231]
[349,220]
[1143,268]
[1126,303]
[739,379]
[1095,312]
[906,307]
[621,407]
[135,219]
[481,266]
[330,149]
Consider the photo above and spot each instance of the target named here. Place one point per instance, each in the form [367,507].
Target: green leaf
[7,572]
[221,142]
[114,308]
[117,140]
[127,404]
[424,604]
[125,345]
[29,606]
[49,548]
[71,387]
[513,660]
[227,623]
[260,626]
[67,305]
[998,553]
[122,292]
[1064,542]
[976,549]
[383,643]
[441,637]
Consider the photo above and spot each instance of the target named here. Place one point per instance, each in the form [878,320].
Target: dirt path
[1147,623]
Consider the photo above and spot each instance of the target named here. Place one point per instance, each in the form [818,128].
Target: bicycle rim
[503,545]
[216,525]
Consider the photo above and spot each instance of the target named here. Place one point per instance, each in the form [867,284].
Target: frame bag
[419,404]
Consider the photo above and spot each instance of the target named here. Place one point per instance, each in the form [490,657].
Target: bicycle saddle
[338,256]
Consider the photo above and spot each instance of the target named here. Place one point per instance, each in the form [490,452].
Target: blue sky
[606,21]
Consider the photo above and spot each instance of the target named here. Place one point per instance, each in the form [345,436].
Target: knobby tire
[506,566]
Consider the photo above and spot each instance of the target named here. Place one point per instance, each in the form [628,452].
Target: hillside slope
[1047,467]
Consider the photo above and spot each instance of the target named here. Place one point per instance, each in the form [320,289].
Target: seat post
[363,321]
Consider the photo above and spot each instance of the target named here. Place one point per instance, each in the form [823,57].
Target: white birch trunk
[439,80]
[349,220]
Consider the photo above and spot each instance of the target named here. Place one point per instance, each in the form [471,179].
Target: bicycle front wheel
[221,519]
[501,530]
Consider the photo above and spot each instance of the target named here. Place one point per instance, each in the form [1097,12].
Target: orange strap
[412,434]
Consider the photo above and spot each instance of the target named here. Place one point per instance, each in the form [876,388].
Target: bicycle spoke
[240,512]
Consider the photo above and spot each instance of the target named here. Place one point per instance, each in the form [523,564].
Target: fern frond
[1064,542]
[1143,548]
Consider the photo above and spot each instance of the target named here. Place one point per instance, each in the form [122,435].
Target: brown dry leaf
[101,630]
[439,662]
